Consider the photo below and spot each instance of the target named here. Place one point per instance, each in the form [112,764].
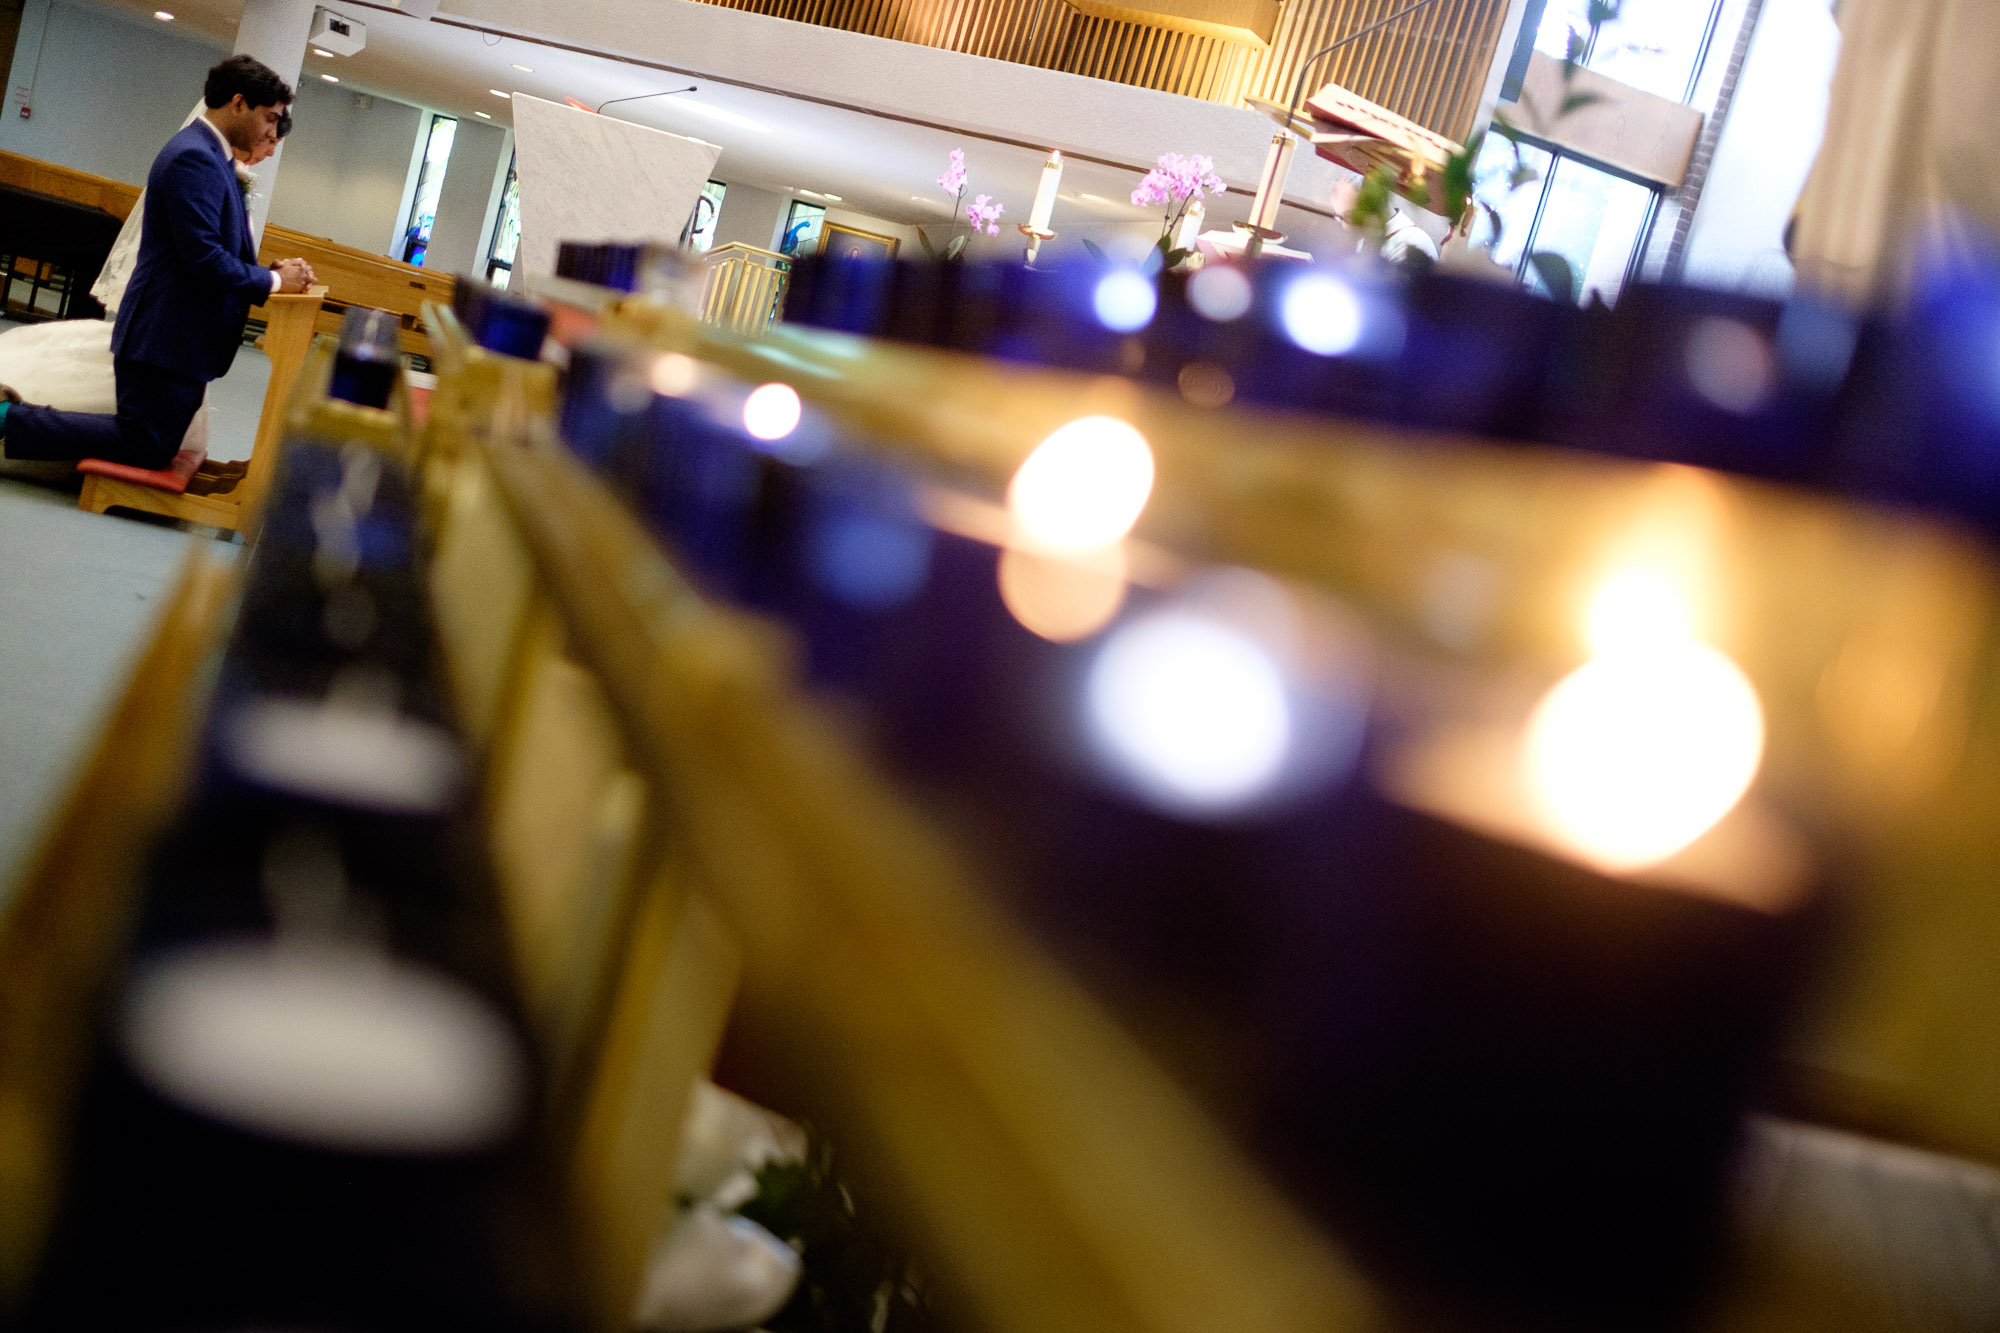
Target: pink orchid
[1173,186]
[1178,180]
[953,180]
[984,214]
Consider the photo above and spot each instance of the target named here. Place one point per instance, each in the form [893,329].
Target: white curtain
[1910,164]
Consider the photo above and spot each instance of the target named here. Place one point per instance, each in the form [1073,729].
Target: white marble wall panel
[586,177]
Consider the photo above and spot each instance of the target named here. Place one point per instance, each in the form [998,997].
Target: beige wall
[344,168]
[749,216]
[464,225]
[346,165]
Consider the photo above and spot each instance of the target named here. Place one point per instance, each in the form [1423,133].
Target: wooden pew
[288,335]
[356,277]
[29,173]
[351,276]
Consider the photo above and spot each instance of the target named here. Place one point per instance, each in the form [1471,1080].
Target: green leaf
[1165,244]
[956,248]
[923,239]
[1578,101]
[1556,275]
[1418,193]
[1458,167]
[1507,130]
[1096,250]
[1175,258]
[1458,178]
[1372,202]
[1573,56]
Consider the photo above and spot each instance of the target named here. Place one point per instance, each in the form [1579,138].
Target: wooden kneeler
[288,335]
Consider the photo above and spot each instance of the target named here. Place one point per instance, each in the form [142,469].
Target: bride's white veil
[109,289]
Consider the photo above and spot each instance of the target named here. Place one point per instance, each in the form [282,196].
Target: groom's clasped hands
[294,276]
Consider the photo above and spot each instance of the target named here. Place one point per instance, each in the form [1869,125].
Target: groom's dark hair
[258,82]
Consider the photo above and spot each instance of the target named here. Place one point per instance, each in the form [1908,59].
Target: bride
[67,363]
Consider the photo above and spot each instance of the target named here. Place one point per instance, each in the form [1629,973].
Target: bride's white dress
[67,363]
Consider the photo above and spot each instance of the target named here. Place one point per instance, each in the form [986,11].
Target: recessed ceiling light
[163,16]
[497,93]
[524,69]
[482,115]
[831,198]
[327,55]
[330,78]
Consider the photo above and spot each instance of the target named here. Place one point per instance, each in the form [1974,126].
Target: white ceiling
[883,166]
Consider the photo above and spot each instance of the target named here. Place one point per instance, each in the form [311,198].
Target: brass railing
[745,287]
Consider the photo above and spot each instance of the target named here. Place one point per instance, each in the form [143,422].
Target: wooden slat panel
[1430,67]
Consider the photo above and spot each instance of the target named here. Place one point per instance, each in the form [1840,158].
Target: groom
[196,279]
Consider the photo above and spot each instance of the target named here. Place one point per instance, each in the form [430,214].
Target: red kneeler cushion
[174,477]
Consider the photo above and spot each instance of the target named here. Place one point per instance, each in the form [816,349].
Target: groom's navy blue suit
[180,321]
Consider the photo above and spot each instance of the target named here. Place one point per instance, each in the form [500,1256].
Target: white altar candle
[1045,193]
[1190,226]
[1271,186]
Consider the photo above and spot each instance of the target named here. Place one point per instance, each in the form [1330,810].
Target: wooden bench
[290,321]
[30,173]
[355,277]
[351,276]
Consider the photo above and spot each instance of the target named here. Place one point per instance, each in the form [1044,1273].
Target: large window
[1595,221]
[1594,217]
[506,231]
[430,186]
[1517,205]
[1656,46]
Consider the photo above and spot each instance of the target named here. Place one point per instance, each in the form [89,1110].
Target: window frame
[408,243]
[1523,53]
[493,263]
